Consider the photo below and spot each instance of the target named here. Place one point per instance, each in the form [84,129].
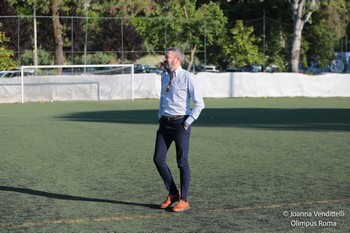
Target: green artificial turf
[88,167]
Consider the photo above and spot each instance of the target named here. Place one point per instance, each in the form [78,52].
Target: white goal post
[77,79]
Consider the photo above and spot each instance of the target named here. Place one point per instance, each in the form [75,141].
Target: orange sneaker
[181,206]
[170,199]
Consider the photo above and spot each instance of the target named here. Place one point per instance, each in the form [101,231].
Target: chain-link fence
[111,38]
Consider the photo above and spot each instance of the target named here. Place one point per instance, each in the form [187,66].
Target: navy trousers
[168,132]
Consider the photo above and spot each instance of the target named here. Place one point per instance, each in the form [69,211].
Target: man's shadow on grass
[72,198]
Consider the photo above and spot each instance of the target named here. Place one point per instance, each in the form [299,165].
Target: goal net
[76,82]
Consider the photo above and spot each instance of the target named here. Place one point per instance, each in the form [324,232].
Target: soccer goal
[48,83]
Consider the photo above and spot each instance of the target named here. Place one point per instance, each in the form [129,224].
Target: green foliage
[44,58]
[323,42]
[193,25]
[242,48]
[25,7]
[215,23]
[276,50]
[6,56]
[98,58]
[179,23]
[335,16]
[152,60]
[279,62]
[305,45]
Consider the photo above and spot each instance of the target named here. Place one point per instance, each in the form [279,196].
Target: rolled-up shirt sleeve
[197,100]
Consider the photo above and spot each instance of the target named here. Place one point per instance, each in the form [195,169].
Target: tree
[302,11]
[111,25]
[57,30]
[102,32]
[26,8]
[323,34]
[6,61]
[146,26]
[242,48]
[334,16]
[179,23]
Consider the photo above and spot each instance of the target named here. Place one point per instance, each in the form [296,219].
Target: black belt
[172,118]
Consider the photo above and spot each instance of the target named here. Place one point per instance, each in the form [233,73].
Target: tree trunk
[57,30]
[300,17]
[296,45]
[190,63]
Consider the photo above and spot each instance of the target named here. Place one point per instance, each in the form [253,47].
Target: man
[175,116]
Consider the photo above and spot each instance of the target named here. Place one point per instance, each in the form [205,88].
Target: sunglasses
[169,84]
[168,87]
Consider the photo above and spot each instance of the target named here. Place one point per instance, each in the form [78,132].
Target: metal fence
[114,35]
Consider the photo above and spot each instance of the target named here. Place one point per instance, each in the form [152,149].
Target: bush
[98,58]
[44,58]
[6,56]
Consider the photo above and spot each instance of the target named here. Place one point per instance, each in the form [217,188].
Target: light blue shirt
[177,101]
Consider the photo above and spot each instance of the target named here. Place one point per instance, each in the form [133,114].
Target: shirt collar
[177,71]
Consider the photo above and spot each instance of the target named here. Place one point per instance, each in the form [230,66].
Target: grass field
[87,167]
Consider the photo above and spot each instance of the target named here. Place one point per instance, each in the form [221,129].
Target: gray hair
[178,52]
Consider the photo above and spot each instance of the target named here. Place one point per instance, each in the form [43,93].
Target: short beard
[168,67]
